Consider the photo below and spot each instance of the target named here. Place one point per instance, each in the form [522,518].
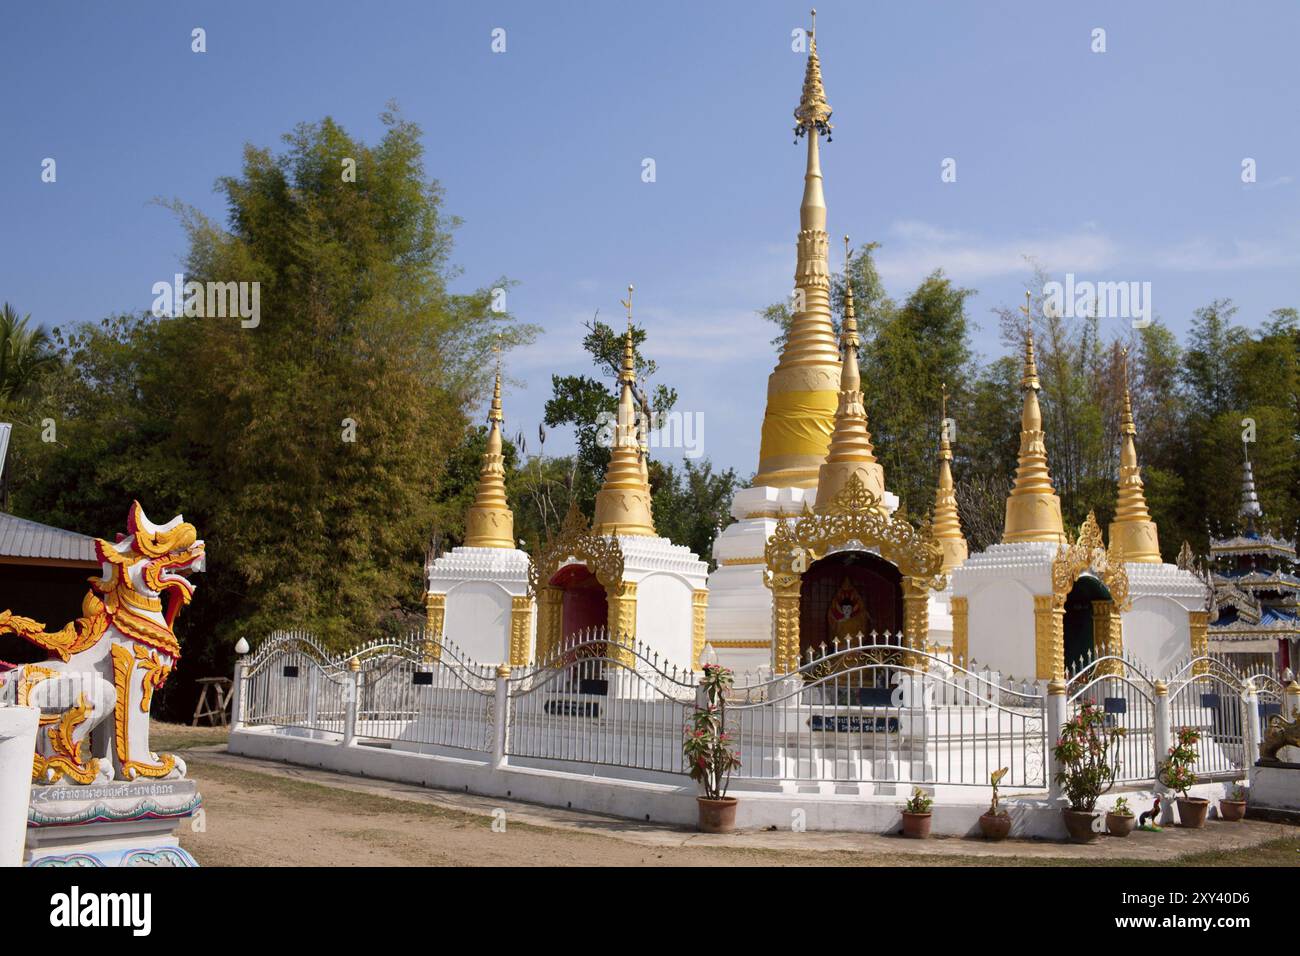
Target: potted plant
[1119,819]
[1176,773]
[1233,806]
[916,815]
[1083,752]
[995,823]
[709,755]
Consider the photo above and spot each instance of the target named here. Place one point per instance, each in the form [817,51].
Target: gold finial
[494,413]
[813,113]
[849,335]
[628,373]
[946,526]
[1030,377]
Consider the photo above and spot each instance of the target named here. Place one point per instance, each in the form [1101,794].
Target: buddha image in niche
[847,616]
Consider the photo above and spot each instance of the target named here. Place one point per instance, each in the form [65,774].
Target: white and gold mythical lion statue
[110,660]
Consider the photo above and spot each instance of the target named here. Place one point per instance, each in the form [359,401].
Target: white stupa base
[740,603]
[1157,628]
[999,585]
[480,585]
[666,576]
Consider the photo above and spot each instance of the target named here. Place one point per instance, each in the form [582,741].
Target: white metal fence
[873,712]
[861,712]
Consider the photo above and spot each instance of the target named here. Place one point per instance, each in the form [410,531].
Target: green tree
[25,352]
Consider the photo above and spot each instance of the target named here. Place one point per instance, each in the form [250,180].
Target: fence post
[501,716]
[1291,700]
[237,694]
[1056,706]
[1250,698]
[353,690]
[1162,740]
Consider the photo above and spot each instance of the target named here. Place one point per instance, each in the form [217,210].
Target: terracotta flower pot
[1078,823]
[916,825]
[1120,824]
[1192,812]
[1232,810]
[995,826]
[717,816]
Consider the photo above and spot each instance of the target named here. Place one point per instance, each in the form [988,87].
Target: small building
[43,572]
[1254,617]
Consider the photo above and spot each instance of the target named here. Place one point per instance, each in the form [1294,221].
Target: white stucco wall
[1001,628]
[478,620]
[664,616]
[1156,633]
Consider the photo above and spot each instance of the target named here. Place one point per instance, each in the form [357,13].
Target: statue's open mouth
[175,583]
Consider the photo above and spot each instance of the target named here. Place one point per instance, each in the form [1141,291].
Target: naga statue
[110,660]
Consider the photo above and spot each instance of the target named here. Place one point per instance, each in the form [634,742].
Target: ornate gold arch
[604,558]
[1088,553]
[854,517]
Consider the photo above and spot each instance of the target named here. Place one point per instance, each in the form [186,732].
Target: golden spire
[1033,509]
[1132,531]
[489,522]
[802,392]
[947,524]
[623,502]
[850,450]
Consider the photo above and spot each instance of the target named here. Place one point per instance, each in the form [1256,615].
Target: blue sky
[1123,165]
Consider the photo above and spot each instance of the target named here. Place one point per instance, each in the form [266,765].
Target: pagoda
[1254,615]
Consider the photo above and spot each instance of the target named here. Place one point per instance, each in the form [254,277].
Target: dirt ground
[259,813]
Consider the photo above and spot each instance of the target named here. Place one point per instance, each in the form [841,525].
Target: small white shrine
[620,574]
[1039,605]
[477,594]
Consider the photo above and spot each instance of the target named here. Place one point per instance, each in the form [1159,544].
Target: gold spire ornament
[490,522]
[623,502]
[803,390]
[947,523]
[1033,509]
[1132,531]
[850,450]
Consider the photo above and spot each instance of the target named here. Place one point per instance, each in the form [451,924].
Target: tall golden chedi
[623,503]
[850,450]
[1132,532]
[803,391]
[947,523]
[1033,509]
[490,523]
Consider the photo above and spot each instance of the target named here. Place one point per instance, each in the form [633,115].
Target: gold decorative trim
[1198,626]
[123,667]
[737,645]
[602,555]
[961,630]
[732,562]
[435,609]
[521,625]
[854,516]
[1049,638]
[699,612]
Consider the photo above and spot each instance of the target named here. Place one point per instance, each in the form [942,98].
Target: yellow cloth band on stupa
[798,423]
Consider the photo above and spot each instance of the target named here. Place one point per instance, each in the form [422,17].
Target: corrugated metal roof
[20,538]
